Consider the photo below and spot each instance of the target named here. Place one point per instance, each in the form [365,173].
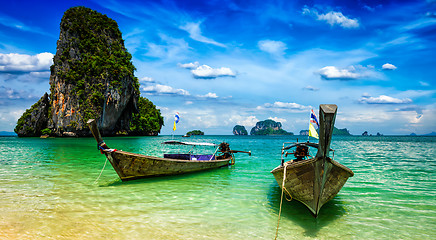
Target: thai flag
[313,118]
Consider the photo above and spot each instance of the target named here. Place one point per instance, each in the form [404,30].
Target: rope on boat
[101,172]
[281,198]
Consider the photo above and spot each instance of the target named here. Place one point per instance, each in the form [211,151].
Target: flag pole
[308,132]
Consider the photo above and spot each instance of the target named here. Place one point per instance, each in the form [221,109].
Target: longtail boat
[130,166]
[313,181]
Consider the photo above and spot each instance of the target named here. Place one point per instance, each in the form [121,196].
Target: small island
[194,132]
[239,130]
[336,132]
[341,132]
[269,127]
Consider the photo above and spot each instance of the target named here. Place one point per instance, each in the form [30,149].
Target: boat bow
[317,180]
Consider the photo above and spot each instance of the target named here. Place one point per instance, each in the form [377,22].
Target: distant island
[269,127]
[336,132]
[341,132]
[367,134]
[239,130]
[92,76]
[194,132]
[430,134]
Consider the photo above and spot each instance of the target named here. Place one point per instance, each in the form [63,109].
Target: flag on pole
[313,118]
[176,120]
[312,131]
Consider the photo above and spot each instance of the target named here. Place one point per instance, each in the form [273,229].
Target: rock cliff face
[268,127]
[92,76]
[34,119]
[239,130]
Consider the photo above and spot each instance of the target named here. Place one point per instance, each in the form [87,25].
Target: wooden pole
[94,130]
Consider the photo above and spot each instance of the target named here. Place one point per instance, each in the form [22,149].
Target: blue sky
[222,63]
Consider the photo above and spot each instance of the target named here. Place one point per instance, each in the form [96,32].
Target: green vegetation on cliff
[341,132]
[33,119]
[239,130]
[148,121]
[25,117]
[271,131]
[269,127]
[195,132]
[92,52]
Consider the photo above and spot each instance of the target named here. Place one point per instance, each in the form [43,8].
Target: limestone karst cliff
[239,130]
[35,119]
[269,127]
[92,76]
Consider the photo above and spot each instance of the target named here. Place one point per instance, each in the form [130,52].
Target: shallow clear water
[47,191]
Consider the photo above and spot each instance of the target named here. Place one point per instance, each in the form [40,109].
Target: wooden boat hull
[131,166]
[313,182]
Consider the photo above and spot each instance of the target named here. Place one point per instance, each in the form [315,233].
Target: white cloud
[14,62]
[207,72]
[311,88]
[160,89]
[249,121]
[383,99]
[333,73]
[333,18]
[189,65]
[195,33]
[147,80]
[208,95]
[388,66]
[273,47]
[276,119]
[279,106]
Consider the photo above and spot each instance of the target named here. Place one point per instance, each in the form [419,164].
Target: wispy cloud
[424,84]
[191,65]
[208,95]
[146,80]
[311,88]
[332,18]
[161,89]
[283,106]
[383,99]
[276,48]
[195,33]
[170,49]
[16,24]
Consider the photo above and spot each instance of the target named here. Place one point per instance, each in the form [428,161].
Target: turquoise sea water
[47,191]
